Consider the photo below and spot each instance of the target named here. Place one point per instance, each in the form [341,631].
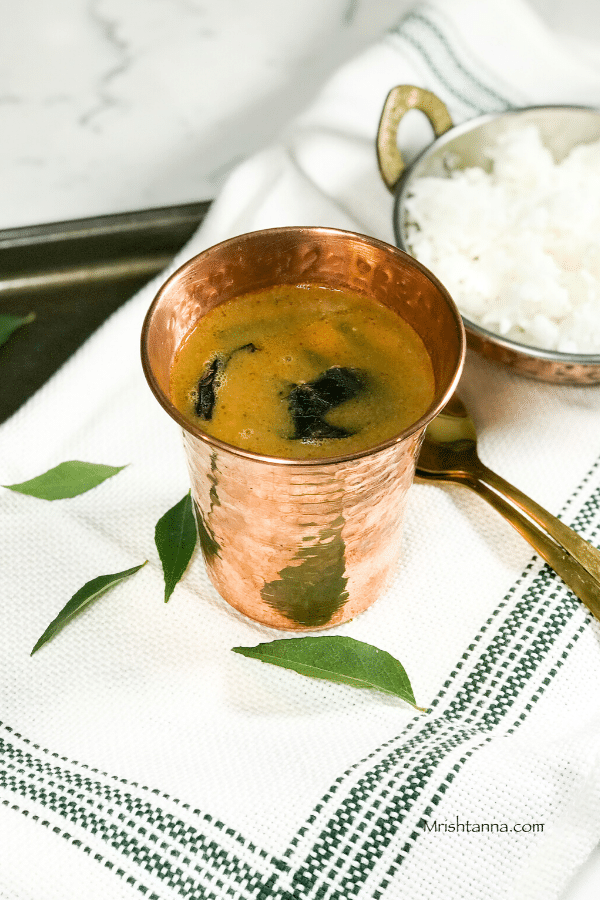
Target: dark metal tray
[73,275]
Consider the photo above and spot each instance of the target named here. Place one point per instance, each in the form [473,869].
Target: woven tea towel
[139,756]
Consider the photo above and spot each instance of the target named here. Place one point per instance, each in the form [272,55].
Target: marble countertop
[116,105]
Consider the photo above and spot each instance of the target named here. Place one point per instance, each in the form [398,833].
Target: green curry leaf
[340,659]
[68,479]
[175,537]
[90,591]
[8,324]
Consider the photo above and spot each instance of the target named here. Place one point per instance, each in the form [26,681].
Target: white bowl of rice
[505,211]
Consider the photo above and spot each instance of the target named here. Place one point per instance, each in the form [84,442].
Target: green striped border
[427,35]
[530,636]
[144,835]
[155,842]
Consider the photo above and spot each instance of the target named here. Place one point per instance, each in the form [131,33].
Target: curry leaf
[340,659]
[8,324]
[68,479]
[175,537]
[90,591]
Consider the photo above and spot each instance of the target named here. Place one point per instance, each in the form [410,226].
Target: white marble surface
[115,105]
[112,105]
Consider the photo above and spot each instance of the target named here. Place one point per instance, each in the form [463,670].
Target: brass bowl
[561,127]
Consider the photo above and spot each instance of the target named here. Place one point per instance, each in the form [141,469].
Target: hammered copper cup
[301,545]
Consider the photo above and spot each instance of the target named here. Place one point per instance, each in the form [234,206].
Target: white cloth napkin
[140,756]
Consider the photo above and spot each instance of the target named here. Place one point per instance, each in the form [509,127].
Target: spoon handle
[587,555]
[583,584]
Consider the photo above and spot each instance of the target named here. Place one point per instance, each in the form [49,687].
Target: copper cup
[301,545]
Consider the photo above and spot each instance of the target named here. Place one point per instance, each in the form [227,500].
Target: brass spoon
[449,453]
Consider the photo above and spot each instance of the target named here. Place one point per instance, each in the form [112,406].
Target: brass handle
[579,579]
[577,566]
[587,555]
[398,102]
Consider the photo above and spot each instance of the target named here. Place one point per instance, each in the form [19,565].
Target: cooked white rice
[518,248]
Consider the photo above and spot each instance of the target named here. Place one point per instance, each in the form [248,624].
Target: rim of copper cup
[192,429]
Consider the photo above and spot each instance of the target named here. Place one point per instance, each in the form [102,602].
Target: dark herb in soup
[302,372]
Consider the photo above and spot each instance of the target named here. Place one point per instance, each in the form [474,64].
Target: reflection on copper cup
[294,544]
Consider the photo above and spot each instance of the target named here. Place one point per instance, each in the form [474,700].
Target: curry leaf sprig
[90,591]
[175,537]
[64,481]
[339,659]
[68,479]
[175,533]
